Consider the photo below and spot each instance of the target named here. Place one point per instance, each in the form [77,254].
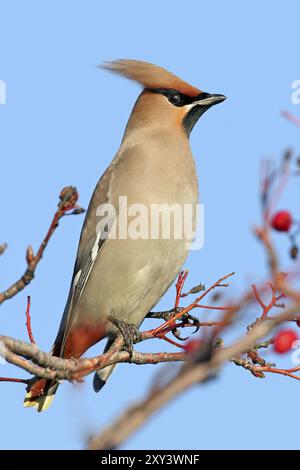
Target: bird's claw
[130,333]
[188,319]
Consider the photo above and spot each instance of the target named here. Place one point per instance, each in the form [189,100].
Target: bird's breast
[157,168]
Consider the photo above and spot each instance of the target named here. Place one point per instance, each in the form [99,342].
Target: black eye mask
[178,99]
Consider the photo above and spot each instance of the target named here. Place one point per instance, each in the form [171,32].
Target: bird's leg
[130,333]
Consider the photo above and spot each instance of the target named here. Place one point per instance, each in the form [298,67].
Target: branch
[2,248]
[192,374]
[259,371]
[68,199]
[15,380]
[193,305]
[290,117]
[273,302]
[28,321]
[30,358]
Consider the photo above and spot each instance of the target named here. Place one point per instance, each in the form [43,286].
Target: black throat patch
[192,117]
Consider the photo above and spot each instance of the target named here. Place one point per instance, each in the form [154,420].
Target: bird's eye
[176,99]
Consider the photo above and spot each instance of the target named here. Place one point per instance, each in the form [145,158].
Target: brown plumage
[125,278]
[150,76]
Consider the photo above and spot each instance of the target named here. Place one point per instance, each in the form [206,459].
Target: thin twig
[68,200]
[15,380]
[28,321]
[193,305]
[2,248]
[290,117]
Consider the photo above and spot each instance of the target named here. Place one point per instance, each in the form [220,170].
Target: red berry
[282,221]
[284,340]
[298,321]
[192,346]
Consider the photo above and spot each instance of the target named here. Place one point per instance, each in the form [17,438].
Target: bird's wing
[90,244]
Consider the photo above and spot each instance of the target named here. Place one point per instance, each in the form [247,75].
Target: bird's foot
[164,315]
[189,320]
[169,314]
[130,333]
[186,318]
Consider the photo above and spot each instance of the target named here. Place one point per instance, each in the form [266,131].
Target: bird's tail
[40,393]
[101,376]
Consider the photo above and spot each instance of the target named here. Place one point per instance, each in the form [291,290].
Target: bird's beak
[209,99]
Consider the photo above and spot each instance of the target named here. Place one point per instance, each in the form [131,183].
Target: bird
[117,280]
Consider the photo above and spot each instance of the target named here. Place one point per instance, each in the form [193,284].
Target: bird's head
[166,98]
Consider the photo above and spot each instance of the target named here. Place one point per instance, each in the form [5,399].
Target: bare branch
[290,117]
[68,200]
[2,248]
[135,416]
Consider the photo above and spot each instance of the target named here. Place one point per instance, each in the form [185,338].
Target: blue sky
[62,124]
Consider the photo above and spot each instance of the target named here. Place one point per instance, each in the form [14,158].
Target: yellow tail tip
[40,403]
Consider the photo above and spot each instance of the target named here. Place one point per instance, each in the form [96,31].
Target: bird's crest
[150,75]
